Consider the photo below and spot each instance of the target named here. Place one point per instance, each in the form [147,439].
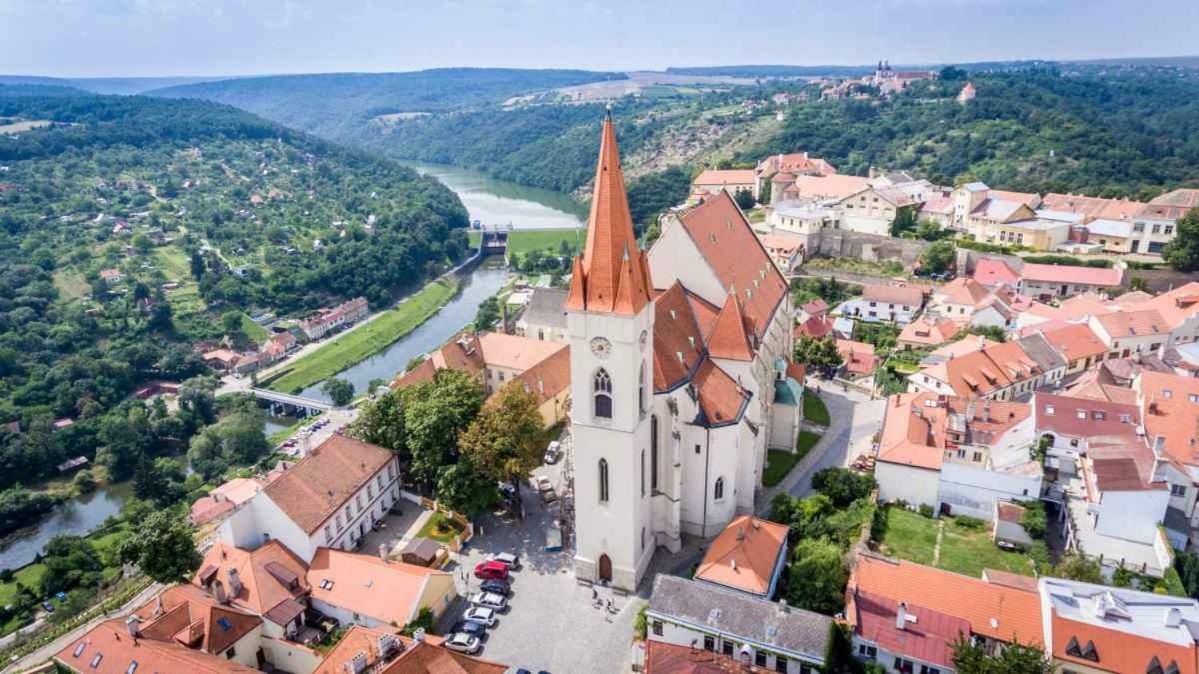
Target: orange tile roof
[721,399]
[1092,208]
[666,658]
[365,584]
[912,296]
[195,619]
[1173,417]
[110,639]
[975,374]
[408,657]
[1075,341]
[961,290]
[611,275]
[266,575]
[736,255]
[928,331]
[1057,273]
[1171,205]
[323,481]
[1175,306]
[993,610]
[858,356]
[676,333]
[1009,579]
[1134,323]
[993,271]
[744,556]
[549,377]
[1118,651]
[515,352]
[916,426]
[1074,308]
[731,177]
[428,658]
[728,338]
[829,186]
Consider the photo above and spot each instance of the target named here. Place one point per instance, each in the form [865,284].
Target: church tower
[610,322]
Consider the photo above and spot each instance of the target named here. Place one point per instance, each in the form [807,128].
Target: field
[814,409]
[963,549]
[254,331]
[23,126]
[366,340]
[525,240]
[70,285]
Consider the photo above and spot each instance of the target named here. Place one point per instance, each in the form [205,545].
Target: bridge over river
[291,405]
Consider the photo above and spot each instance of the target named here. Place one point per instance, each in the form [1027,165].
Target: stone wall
[1159,280]
[843,243]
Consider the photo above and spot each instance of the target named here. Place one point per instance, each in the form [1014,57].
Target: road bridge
[287,403]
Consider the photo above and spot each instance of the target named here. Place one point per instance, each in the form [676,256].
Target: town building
[673,372]
[1153,226]
[987,370]
[955,455]
[224,498]
[329,499]
[895,303]
[927,331]
[755,631]
[382,651]
[372,591]
[873,210]
[967,93]
[278,346]
[906,617]
[1127,332]
[1078,344]
[711,182]
[1045,282]
[748,556]
[544,317]
[993,272]
[857,358]
[332,319]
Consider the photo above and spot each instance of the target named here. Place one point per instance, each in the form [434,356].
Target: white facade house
[672,376]
[884,304]
[331,498]
[752,630]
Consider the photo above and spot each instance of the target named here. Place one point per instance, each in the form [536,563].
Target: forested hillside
[193,211]
[1039,131]
[342,106]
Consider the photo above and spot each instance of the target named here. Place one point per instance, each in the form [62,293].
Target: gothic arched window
[641,390]
[603,480]
[718,492]
[653,452]
[601,388]
[643,472]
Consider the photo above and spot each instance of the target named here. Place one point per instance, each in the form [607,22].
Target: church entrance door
[605,568]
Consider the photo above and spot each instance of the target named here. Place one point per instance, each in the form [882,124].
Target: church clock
[601,347]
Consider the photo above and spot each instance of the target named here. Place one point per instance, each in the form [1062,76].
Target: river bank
[353,347]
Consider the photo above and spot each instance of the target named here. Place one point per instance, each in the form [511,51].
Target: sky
[98,38]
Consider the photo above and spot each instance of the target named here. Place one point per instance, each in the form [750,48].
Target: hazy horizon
[233,38]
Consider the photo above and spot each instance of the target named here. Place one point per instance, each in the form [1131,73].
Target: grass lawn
[174,263]
[806,441]
[440,528]
[524,240]
[254,331]
[70,285]
[964,550]
[779,462]
[366,340]
[30,576]
[814,409]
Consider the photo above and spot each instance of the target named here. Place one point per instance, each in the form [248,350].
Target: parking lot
[551,623]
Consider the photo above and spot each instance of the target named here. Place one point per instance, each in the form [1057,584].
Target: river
[494,202]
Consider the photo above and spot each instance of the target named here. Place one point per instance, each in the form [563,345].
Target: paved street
[854,419]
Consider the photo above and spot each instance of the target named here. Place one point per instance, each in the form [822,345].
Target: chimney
[218,590]
[901,615]
[158,610]
[418,635]
[133,624]
[383,551]
[234,583]
[871,172]
[783,607]
[1173,617]
[733,564]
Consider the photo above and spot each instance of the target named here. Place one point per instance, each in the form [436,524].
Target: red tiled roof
[744,555]
[721,399]
[611,275]
[726,242]
[1076,341]
[195,619]
[731,177]
[387,591]
[993,610]
[961,290]
[928,331]
[728,339]
[1057,273]
[549,377]
[894,294]
[1118,650]
[666,658]
[1099,421]
[323,481]
[1133,323]
[676,333]
[269,575]
[1171,205]
[1173,417]
[927,635]
[858,356]
[409,657]
[110,642]
[816,326]
[993,271]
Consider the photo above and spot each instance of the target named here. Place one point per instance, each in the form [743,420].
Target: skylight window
[225,624]
[96,660]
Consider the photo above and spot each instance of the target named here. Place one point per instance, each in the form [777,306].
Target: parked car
[553,452]
[506,489]
[463,643]
[489,600]
[479,614]
[507,558]
[470,627]
[491,570]
[48,606]
[499,587]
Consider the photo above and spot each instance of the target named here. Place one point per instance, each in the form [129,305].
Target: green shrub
[926,510]
[971,523]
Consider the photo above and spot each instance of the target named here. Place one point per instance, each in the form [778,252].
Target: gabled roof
[893,294]
[1101,422]
[736,256]
[722,401]
[961,290]
[929,330]
[993,610]
[611,275]
[402,656]
[993,271]
[728,339]
[549,377]
[927,635]
[1133,323]
[269,575]
[365,584]
[678,341]
[726,177]
[1075,341]
[107,648]
[1171,205]
[1059,273]
[323,481]
[1170,408]
[195,619]
[514,352]
[858,356]
[547,306]
[744,556]
[829,186]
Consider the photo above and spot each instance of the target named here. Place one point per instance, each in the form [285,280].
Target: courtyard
[950,543]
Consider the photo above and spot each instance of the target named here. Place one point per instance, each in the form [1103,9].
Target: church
[681,377]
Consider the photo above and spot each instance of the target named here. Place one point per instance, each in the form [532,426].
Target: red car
[491,570]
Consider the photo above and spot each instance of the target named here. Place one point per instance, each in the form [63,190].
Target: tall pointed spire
[611,258]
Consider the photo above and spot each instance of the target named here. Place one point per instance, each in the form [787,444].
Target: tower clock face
[601,347]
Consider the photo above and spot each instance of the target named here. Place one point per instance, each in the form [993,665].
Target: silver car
[489,599]
[481,615]
[463,643]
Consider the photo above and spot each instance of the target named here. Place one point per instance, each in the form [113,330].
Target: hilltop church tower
[610,322]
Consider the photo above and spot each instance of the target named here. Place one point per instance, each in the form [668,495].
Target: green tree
[1182,253]
[905,221]
[1080,568]
[488,314]
[745,199]
[382,423]
[841,485]
[820,353]
[70,561]
[505,439]
[340,391]
[1015,658]
[84,482]
[197,265]
[434,414]
[231,325]
[816,577]
[465,489]
[125,438]
[163,548]
[938,258]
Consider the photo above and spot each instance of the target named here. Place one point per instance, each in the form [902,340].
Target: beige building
[711,181]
